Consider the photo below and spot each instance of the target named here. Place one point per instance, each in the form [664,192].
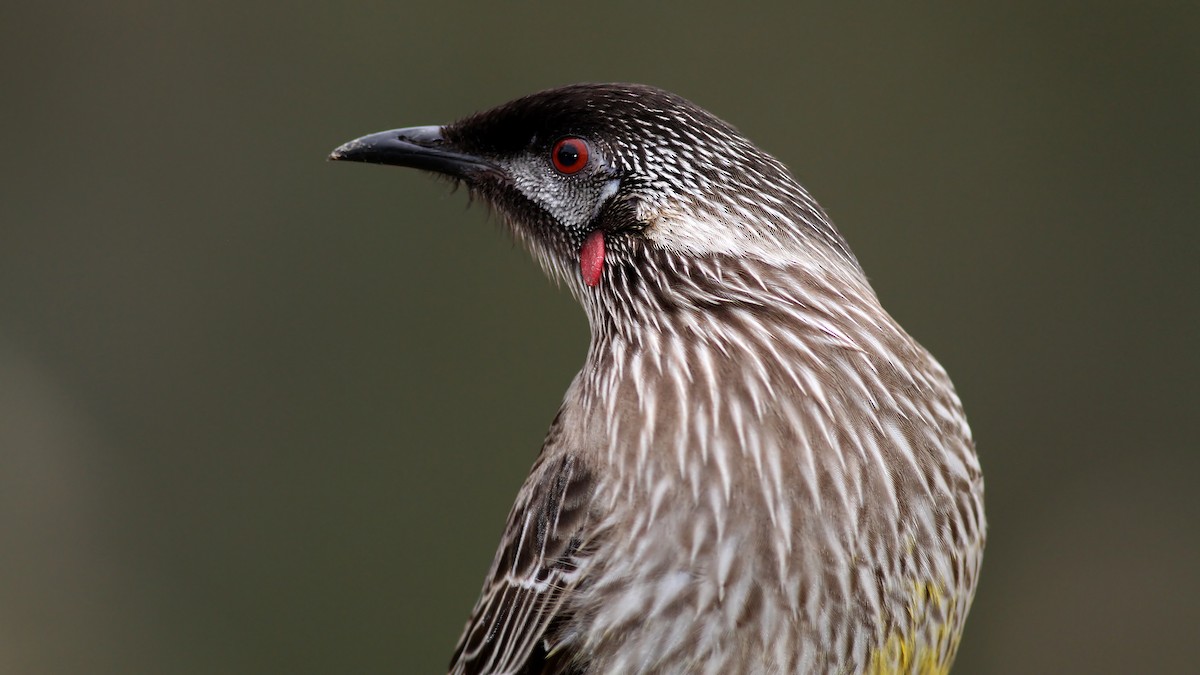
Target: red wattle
[591,258]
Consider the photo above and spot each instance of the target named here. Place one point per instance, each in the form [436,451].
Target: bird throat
[591,258]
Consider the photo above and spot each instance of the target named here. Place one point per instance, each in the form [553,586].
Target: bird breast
[779,467]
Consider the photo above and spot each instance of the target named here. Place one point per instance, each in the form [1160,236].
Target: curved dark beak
[416,147]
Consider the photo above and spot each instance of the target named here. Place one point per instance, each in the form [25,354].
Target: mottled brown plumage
[756,470]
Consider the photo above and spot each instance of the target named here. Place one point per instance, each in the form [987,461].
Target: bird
[756,469]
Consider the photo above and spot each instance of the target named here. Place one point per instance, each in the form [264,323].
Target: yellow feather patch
[913,650]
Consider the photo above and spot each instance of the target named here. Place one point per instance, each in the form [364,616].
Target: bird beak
[416,147]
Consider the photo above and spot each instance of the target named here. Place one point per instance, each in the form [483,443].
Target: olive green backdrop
[260,413]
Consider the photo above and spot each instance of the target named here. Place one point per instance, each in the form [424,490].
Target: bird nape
[757,470]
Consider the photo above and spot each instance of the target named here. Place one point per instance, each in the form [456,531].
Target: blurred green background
[260,413]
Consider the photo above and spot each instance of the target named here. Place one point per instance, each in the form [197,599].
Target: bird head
[610,183]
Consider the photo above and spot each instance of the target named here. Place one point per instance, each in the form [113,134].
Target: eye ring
[570,155]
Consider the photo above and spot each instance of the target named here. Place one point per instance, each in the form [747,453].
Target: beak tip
[343,151]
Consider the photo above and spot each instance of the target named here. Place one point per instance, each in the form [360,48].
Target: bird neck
[650,292]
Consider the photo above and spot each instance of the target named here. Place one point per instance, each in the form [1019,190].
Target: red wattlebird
[756,470]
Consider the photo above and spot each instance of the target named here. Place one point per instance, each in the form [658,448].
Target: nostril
[424,136]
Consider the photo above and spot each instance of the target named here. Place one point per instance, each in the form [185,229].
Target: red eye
[569,155]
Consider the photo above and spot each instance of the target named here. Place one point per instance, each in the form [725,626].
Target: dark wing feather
[541,557]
